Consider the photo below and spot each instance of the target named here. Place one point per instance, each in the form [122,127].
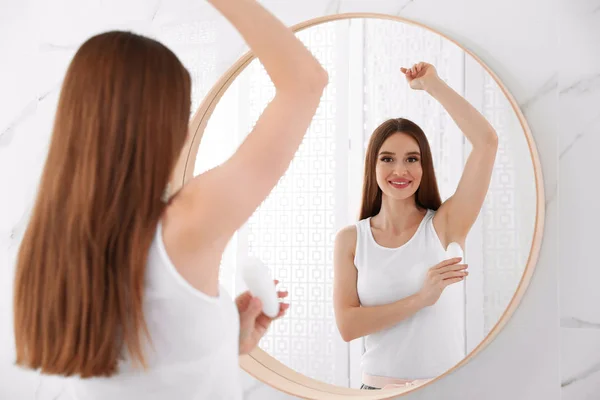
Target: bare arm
[223,198]
[459,212]
[353,320]
[462,208]
[211,207]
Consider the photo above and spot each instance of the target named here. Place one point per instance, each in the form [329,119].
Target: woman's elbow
[487,142]
[492,139]
[316,81]
[347,337]
[346,332]
[312,81]
[322,77]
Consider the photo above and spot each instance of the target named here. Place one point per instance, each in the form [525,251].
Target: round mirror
[293,231]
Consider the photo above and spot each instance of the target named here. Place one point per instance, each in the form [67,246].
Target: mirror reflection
[414,146]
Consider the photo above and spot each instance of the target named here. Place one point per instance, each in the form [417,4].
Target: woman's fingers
[445,263]
[454,274]
[262,324]
[264,321]
[282,309]
[450,268]
[448,282]
[243,299]
[251,313]
[415,70]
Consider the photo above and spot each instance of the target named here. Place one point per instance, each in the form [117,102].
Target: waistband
[384,382]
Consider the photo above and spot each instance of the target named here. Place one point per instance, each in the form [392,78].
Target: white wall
[579,166]
[517,38]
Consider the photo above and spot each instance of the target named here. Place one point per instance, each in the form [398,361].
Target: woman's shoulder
[346,236]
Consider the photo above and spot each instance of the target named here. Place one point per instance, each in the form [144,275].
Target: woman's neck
[398,215]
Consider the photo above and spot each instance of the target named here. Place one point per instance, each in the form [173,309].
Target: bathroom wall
[544,51]
[579,140]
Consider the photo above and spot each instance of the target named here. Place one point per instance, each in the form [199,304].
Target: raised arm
[459,212]
[223,198]
[352,319]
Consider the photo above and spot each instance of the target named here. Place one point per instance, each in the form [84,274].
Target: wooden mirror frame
[261,365]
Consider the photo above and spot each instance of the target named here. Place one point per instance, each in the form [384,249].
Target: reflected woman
[393,284]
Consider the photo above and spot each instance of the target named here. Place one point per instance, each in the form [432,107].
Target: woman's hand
[421,76]
[253,322]
[439,277]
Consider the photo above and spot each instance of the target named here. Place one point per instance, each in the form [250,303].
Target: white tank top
[431,341]
[195,339]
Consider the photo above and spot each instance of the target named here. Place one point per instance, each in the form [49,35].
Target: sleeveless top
[194,350]
[429,342]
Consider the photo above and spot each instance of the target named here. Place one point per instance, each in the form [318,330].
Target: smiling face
[398,164]
[398,168]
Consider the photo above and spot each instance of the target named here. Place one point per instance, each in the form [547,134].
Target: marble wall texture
[546,53]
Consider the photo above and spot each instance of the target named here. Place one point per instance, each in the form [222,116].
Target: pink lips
[400,183]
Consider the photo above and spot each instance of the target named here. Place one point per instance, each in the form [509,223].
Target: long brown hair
[119,128]
[427,195]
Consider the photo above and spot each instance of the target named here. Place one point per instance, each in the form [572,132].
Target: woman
[392,284]
[110,277]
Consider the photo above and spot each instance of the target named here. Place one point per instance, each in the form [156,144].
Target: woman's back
[194,343]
